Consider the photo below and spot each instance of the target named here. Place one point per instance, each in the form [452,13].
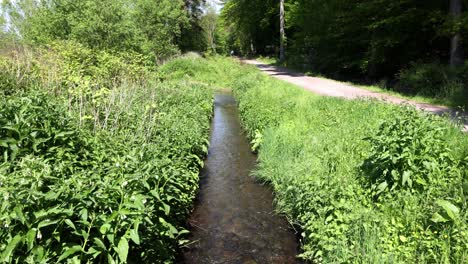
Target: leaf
[122,249]
[134,236]
[437,218]
[403,239]
[406,178]
[70,224]
[19,214]
[381,187]
[99,243]
[31,238]
[104,228]
[46,222]
[84,214]
[451,210]
[69,252]
[10,248]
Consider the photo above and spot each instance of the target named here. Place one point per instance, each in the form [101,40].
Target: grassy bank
[99,157]
[367,182]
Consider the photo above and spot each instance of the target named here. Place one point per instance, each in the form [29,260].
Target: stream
[234,219]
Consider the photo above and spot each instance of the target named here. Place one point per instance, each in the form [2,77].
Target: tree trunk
[282,36]
[456,45]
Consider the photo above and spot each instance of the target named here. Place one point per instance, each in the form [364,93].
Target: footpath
[329,87]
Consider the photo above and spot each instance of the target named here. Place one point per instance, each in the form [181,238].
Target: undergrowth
[99,159]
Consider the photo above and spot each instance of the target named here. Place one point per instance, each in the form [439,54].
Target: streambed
[234,219]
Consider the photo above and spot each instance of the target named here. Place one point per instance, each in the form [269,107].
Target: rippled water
[234,219]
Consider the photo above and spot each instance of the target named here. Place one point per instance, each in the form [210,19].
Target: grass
[366,182]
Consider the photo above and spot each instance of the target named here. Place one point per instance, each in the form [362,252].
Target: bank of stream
[234,220]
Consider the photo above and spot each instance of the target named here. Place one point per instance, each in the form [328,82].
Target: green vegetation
[405,46]
[99,158]
[368,192]
[102,132]
[391,189]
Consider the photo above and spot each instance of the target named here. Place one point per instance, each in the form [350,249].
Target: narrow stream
[234,219]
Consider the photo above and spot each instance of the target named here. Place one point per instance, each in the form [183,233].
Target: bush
[432,79]
[410,152]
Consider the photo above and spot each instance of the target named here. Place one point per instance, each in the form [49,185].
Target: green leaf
[69,252]
[451,210]
[406,179]
[70,224]
[437,218]
[10,248]
[99,243]
[122,249]
[19,214]
[46,222]
[31,238]
[84,214]
[104,228]
[381,187]
[134,236]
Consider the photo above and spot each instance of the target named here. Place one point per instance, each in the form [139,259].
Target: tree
[209,24]
[151,27]
[282,35]
[456,47]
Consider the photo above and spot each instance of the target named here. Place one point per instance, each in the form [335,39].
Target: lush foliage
[387,190]
[356,40]
[150,27]
[99,158]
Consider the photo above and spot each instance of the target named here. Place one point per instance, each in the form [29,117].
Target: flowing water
[234,219]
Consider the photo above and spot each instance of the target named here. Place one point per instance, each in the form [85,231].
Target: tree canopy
[371,37]
[152,27]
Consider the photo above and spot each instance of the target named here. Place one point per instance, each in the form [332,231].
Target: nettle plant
[409,152]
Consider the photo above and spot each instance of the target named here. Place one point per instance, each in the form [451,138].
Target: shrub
[431,79]
[410,152]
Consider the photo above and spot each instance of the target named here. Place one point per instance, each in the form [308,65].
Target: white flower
[124,183]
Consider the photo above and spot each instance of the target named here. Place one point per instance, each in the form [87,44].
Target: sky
[216,4]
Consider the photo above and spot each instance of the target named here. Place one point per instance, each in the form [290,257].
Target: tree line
[374,39]
[158,28]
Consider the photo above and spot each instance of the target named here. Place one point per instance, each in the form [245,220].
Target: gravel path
[329,87]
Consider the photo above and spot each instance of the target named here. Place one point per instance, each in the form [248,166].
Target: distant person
[232,53]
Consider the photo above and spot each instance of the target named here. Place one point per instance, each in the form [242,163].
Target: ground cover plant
[99,157]
[367,182]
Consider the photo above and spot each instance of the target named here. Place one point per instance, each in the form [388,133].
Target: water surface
[234,219]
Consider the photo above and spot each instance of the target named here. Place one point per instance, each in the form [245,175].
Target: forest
[108,119]
[402,45]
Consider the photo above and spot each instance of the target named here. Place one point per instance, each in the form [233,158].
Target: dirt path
[329,87]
